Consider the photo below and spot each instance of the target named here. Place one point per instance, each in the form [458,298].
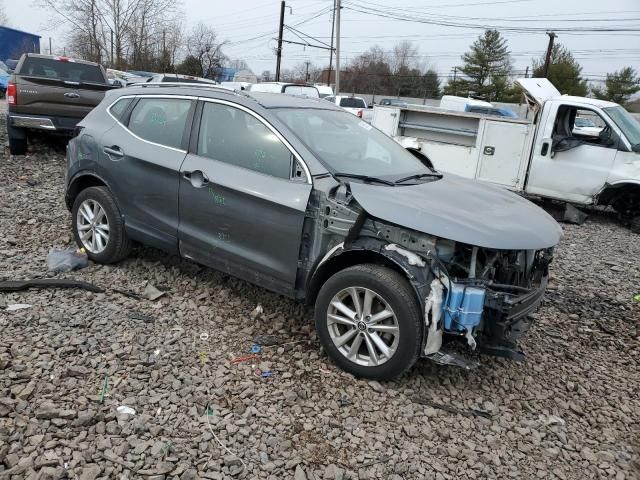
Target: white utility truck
[543,155]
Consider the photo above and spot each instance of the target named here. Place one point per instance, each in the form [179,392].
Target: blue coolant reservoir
[463,310]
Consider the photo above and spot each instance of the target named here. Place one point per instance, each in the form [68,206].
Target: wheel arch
[357,255]
[80,182]
[622,191]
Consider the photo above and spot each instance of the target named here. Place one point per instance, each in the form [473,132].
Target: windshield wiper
[365,178]
[419,175]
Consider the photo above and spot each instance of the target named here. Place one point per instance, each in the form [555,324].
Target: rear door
[51,87]
[243,196]
[143,152]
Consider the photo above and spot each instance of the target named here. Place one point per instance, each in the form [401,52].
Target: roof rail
[179,84]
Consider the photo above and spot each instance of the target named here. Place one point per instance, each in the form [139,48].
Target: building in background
[245,76]
[13,43]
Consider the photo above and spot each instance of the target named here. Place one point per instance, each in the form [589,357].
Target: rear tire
[112,243]
[635,224]
[17,141]
[370,344]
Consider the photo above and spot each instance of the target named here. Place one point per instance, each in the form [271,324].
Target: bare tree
[120,33]
[203,45]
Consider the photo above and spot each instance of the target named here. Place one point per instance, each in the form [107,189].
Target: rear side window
[69,71]
[352,102]
[230,135]
[118,108]
[160,120]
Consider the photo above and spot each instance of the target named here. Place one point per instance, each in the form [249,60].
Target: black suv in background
[51,94]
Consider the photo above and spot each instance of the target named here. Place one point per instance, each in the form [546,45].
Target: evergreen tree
[486,69]
[619,86]
[564,72]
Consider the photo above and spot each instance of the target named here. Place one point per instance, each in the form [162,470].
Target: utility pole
[526,72]
[455,85]
[306,76]
[111,47]
[279,52]
[333,26]
[547,59]
[50,51]
[337,92]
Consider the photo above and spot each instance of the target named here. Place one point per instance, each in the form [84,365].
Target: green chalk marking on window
[217,198]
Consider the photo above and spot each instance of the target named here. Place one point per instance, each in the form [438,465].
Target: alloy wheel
[362,326]
[93,226]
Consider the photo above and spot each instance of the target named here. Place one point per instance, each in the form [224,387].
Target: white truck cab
[544,155]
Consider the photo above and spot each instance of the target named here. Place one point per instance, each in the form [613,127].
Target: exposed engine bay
[479,295]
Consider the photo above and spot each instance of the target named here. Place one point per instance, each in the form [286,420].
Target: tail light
[359,114]
[12,94]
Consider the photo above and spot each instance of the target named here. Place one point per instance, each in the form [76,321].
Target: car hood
[463,210]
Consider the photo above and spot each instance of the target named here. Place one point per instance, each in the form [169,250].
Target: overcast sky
[440,46]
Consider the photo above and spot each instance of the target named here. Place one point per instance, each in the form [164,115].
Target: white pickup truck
[546,155]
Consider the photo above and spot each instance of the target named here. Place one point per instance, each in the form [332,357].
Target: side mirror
[606,137]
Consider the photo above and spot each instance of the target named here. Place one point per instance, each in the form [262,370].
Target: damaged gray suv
[306,200]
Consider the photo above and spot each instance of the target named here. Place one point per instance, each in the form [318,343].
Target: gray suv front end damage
[482,293]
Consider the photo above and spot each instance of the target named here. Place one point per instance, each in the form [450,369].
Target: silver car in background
[304,199]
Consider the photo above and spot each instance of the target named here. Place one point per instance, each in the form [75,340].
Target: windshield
[346,144]
[625,122]
[352,102]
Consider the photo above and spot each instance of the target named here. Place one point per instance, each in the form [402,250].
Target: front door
[570,161]
[144,154]
[242,198]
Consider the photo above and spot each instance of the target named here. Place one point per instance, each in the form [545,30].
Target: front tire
[98,226]
[369,321]
[635,224]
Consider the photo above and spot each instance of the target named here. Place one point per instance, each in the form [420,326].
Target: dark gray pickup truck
[51,94]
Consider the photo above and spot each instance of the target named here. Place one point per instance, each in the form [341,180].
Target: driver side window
[576,126]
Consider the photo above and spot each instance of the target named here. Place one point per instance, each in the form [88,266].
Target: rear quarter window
[120,107]
[69,71]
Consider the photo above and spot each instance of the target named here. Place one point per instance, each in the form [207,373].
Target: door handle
[72,95]
[113,151]
[197,178]
[544,149]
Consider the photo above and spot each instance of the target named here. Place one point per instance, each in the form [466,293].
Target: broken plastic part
[470,340]
[411,257]
[453,359]
[433,308]
[17,285]
[331,252]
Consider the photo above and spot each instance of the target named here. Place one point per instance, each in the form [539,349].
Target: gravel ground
[571,411]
